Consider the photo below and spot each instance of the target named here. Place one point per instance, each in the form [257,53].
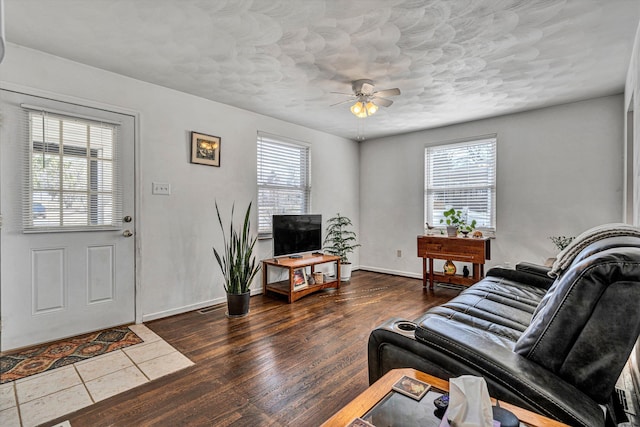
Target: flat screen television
[296,234]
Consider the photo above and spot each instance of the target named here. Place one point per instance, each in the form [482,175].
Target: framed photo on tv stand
[299,279]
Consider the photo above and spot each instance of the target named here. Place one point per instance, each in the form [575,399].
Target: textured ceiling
[453,60]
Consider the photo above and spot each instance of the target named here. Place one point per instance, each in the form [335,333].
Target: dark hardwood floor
[282,365]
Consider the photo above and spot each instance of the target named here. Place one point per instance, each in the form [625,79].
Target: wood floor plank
[282,365]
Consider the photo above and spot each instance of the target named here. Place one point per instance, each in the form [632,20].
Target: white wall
[177,269]
[559,172]
[632,130]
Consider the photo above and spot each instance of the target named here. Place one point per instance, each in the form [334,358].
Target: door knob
[127,233]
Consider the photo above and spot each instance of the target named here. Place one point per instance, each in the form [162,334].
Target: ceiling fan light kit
[368,100]
[362,110]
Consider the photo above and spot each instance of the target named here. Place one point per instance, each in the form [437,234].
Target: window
[71,174]
[462,176]
[283,179]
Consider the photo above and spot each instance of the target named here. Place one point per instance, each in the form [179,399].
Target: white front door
[67,264]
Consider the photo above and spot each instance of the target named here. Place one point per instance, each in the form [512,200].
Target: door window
[72,174]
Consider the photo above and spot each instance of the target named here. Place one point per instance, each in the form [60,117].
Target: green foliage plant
[561,242]
[237,262]
[339,240]
[457,218]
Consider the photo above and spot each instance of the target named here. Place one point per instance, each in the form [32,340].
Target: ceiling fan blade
[383,102]
[344,93]
[388,92]
[341,102]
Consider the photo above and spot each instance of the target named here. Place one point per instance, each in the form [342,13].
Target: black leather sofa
[555,347]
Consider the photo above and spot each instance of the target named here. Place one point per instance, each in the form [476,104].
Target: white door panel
[61,283]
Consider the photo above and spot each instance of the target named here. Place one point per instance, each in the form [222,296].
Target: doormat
[45,357]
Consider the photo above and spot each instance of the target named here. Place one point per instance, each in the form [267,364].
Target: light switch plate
[161,188]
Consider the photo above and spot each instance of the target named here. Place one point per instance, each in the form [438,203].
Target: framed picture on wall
[205,149]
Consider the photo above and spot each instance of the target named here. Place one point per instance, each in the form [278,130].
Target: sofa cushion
[496,305]
[585,313]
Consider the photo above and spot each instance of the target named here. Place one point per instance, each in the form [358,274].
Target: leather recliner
[556,347]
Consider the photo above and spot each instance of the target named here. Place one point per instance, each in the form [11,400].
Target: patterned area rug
[34,360]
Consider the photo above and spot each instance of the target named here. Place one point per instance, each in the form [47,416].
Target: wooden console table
[286,287]
[466,249]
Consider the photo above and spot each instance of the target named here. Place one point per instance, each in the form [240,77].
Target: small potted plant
[238,264]
[465,228]
[456,220]
[561,242]
[340,241]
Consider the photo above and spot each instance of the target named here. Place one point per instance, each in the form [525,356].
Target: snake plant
[237,262]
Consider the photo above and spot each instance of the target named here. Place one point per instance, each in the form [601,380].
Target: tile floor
[39,398]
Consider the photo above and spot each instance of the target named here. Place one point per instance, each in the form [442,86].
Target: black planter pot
[238,304]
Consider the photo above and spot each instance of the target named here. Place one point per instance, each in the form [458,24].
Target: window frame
[283,143]
[491,187]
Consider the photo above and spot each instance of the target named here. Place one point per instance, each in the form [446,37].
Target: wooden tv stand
[286,287]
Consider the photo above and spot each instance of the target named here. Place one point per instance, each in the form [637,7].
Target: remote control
[442,402]
[506,418]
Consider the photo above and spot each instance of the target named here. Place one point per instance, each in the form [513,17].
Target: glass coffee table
[381,406]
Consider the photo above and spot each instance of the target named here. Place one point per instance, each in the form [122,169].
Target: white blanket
[565,258]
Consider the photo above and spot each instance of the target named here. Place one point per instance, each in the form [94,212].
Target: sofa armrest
[523,276]
[529,267]
[446,348]
[510,375]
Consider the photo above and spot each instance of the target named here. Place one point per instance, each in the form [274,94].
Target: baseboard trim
[392,272]
[197,306]
[191,307]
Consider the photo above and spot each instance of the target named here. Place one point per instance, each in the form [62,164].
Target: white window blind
[462,176]
[71,169]
[283,179]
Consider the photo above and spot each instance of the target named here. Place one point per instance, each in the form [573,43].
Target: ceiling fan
[367,98]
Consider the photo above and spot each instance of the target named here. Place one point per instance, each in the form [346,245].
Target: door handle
[127,233]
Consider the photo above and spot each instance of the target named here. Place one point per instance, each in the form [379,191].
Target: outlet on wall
[162,188]
[399,253]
